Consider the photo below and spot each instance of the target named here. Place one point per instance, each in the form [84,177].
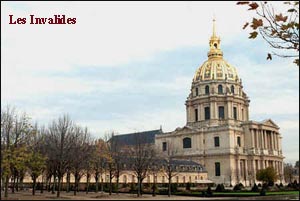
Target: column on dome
[201,110]
[229,110]
[216,116]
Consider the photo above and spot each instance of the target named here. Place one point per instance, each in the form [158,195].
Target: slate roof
[145,137]
[182,165]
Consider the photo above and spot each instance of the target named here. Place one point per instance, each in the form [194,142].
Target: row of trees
[65,148]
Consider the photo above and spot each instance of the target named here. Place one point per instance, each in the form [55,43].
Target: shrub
[281,185]
[188,186]
[220,188]
[238,187]
[132,187]
[263,192]
[174,187]
[255,188]
[270,183]
[208,191]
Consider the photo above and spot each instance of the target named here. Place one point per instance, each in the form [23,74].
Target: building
[219,142]
[218,133]
[184,170]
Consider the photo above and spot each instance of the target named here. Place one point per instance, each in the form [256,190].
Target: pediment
[269,122]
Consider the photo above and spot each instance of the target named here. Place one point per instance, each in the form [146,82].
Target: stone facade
[222,138]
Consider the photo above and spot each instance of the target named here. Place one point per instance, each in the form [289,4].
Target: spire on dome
[214,27]
[214,43]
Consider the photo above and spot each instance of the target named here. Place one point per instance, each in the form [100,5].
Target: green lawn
[284,193]
[257,193]
[241,193]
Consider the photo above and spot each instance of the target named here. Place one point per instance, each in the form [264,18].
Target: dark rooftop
[145,137]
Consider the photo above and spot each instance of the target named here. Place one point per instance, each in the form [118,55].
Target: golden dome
[215,68]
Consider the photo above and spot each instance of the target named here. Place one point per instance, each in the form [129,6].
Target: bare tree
[110,163]
[59,142]
[143,153]
[80,154]
[170,165]
[99,161]
[117,154]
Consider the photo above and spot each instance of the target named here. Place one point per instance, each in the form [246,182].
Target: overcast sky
[128,66]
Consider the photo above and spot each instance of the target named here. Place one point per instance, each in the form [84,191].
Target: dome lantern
[215,68]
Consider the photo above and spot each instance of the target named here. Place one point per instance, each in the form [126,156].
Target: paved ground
[26,195]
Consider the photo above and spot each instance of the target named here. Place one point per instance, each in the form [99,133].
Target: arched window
[220,89]
[206,89]
[232,89]
[187,142]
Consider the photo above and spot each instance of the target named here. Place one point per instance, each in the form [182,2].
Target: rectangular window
[207,113]
[217,141]
[234,113]
[239,141]
[196,114]
[164,146]
[221,112]
[217,169]
[197,92]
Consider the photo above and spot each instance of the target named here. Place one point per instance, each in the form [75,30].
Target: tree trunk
[17,184]
[48,182]
[14,182]
[53,186]
[118,185]
[153,189]
[169,187]
[68,181]
[33,185]
[58,186]
[102,184]
[75,187]
[97,182]
[87,182]
[139,187]
[110,185]
[6,186]
[42,185]
[21,183]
